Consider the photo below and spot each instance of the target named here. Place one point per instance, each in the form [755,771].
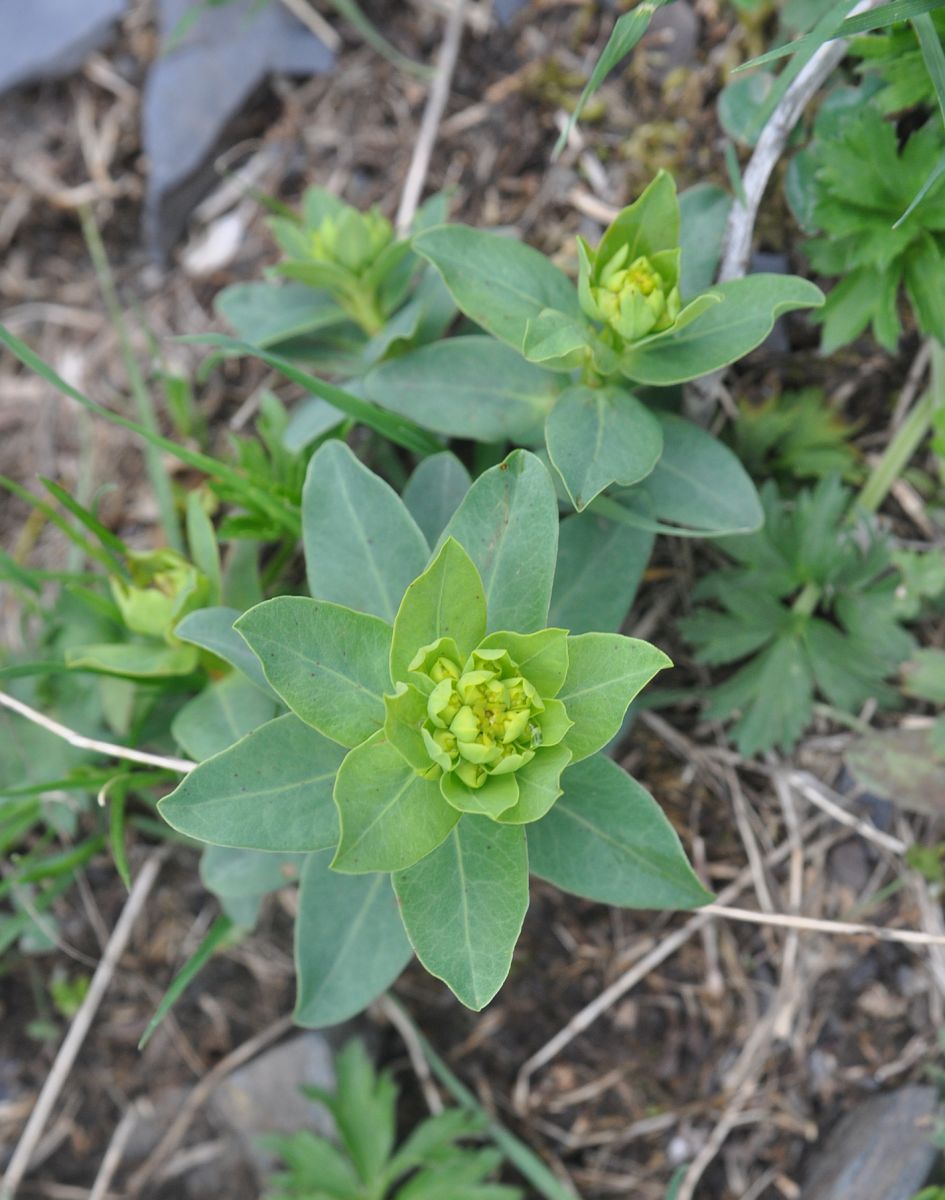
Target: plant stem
[160,480]
[907,437]
[807,600]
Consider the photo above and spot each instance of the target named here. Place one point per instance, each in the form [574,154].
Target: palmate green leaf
[362,547]
[271,791]
[212,629]
[499,283]
[773,694]
[608,840]
[464,904]
[445,601]
[327,662]
[350,944]
[468,387]
[364,1107]
[605,672]
[600,436]
[600,565]
[434,492]
[508,525]
[697,489]
[390,816]
[225,711]
[723,333]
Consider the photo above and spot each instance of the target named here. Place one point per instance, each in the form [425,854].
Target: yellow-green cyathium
[630,283]
[348,253]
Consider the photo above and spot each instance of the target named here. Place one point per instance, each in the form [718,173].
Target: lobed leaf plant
[441,740]
[856,185]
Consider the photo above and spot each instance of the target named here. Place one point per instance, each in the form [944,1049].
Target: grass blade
[877,18]
[282,514]
[625,34]
[90,549]
[352,13]
[160,480]
[934,176]
[932,54]
[218,932]
[396,429]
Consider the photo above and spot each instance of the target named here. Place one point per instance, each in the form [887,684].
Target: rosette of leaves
[366,1164]
[805,608]
[352,293]
[562,363]
[856,186]
[440,738]
[794,436]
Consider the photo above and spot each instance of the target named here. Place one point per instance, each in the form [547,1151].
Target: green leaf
[266,313]
[558,342]
[227,871]
[542,657]
[212,629]
[445,601]
[468,387]
[605,672]
[600,436]
[463,907]
[394,428]
[497,795]
[600,565]
[390,816]
[625,34]
[703,215]
[648,226]
[434,492]
[539,786]
[508,525]
[697,489]
[328,663]
[723,333]
[224,712]
[364,1108]
[498,282]
[135,660]
[202,540]
[362,547]
[271,791]
[350,944]
[608,840]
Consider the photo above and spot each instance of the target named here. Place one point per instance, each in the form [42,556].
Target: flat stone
[673,35]
[882,1150]
[46,39]
[196,89]
[264,1096]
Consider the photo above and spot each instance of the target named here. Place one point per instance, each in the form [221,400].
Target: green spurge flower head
[439,733]
[631,282]
[352,240]
[164,587]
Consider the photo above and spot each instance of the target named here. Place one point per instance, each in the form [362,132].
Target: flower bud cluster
[483,716]
[352,240]
[634,298]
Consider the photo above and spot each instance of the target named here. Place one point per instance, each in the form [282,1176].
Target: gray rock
[195,90]
[882,1150]
[674,32]
[45,39]
[264,1096]
[505,10]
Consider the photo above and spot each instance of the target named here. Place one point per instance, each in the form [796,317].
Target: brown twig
[80,1026]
